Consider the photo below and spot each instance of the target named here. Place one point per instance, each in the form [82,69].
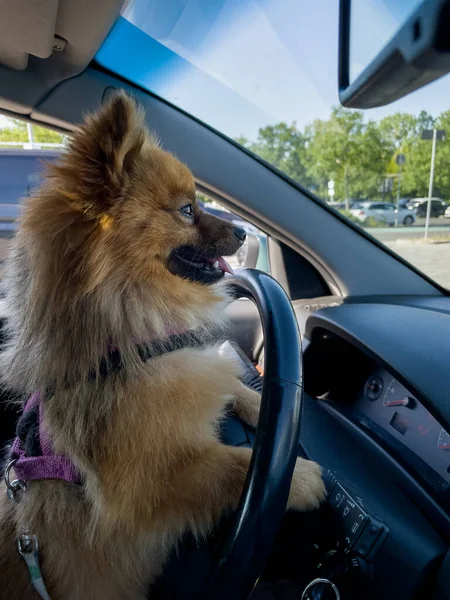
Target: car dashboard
[375,417]
[391,412]
[388,379]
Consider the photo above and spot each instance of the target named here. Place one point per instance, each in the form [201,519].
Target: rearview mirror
[389,48]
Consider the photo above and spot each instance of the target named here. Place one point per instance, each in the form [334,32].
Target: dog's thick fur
[89,269]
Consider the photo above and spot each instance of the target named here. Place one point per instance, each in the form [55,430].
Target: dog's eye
[187,210]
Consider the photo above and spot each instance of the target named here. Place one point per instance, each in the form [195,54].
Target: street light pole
[400,161]
[398,196]
[346,187]
[30,134]
[430,187]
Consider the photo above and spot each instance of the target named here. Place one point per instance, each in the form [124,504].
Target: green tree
[401,132]
[349,151]
[442,167]
[358,154]
[285,147]
[416,171]
[399,128]
[16,131]
[369,168]
[416,177]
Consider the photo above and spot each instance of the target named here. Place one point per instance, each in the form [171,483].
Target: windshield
[264,72]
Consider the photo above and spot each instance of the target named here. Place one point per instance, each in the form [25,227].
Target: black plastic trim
[406,63]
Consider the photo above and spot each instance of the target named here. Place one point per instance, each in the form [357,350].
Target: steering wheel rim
[242,552]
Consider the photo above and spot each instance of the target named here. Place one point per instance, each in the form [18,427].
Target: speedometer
[395,396]
[443,440]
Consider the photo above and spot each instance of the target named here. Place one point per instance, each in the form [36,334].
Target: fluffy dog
[113,252]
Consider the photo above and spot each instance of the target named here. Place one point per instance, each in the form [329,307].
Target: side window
[255,246]
[24,151]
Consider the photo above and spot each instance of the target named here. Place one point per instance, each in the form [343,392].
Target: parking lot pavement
[431,259]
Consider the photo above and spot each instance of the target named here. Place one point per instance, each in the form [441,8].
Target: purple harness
[47,466]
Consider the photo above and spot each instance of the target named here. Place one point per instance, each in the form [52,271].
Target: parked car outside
[447,212]
[419,205]
[216,211]
[403,202]
[341,205]
[384,212]
[20,171]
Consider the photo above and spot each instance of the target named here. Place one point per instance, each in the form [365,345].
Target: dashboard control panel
[388,406]
[362,532]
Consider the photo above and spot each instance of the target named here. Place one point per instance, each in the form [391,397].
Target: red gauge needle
[401,402]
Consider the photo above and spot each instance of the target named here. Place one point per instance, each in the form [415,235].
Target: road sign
[331,184]
[427,134]
[400,159]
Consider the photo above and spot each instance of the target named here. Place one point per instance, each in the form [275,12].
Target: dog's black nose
[240,233]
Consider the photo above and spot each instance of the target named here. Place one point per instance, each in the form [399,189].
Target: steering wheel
[242,552]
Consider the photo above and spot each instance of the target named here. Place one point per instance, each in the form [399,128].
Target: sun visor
[27,28]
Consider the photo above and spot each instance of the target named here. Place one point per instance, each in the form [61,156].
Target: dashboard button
[361,532]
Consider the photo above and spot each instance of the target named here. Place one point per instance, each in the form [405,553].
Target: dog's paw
[307,488]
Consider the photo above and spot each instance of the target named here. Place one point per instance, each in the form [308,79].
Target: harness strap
[29,550]
[42,463]
[113,361]
[48,465]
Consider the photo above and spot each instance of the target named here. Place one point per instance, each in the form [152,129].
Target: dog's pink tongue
[226,268]
[222,264]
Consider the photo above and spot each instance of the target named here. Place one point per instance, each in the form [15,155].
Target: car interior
[375,400]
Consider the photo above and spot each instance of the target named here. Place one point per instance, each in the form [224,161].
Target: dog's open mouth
[197,265]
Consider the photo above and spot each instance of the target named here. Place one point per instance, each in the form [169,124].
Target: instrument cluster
[388,404]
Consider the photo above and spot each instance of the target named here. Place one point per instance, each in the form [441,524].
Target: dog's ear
[102,155]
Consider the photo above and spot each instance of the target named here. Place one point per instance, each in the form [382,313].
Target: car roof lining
[30,27]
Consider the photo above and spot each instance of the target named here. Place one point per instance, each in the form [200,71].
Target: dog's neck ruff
[32,450]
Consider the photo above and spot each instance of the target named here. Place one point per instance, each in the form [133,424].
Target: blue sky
[242,64]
